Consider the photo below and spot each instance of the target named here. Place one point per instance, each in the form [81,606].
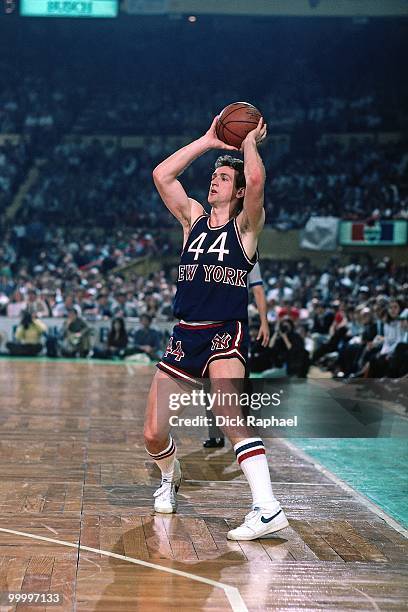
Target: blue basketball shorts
[193,346]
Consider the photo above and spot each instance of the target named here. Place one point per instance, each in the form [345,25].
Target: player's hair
[236,164]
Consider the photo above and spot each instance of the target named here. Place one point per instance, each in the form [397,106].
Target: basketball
[236,121]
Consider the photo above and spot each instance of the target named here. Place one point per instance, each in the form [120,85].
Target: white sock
[251,457]
[165,460]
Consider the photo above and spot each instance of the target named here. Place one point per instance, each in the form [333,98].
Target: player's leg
[267,515]
[159,443]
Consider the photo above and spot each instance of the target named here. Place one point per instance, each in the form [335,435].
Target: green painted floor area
[377,468]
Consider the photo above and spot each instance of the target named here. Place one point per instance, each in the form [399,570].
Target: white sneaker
[165,498]
[259,524]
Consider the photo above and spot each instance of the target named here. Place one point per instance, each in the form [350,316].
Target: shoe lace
[251,515]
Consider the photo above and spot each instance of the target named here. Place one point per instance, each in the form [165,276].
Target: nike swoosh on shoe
[268,520]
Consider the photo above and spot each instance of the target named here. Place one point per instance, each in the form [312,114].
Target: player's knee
[150,436]
[154,442]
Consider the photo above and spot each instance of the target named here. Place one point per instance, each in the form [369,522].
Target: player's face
[222,186]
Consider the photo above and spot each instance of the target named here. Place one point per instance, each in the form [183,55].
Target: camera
[284,328]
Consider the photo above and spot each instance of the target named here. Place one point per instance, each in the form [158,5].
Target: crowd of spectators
[94,183]
[100,184]
[125,112]
[14,161]
[58,259]
[97,184]
[42,104]
[364,181]
[331,113]
[367,180]
[36,102]
[349,318]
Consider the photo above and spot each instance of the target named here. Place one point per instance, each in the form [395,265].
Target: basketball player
[211,302]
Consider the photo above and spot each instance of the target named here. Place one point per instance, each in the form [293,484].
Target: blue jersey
[212,274]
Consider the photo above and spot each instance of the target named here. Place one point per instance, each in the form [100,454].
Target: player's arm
[256,284]
[166,174]
[252,217]
[165,177]
[260,301]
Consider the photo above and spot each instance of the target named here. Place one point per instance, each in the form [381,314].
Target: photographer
[287,348]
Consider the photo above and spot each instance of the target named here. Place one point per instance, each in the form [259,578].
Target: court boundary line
[232,593]
[348,489]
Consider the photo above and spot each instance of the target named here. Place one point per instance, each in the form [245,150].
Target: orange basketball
[235,121]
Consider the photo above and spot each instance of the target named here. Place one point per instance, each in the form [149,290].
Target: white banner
[320,234]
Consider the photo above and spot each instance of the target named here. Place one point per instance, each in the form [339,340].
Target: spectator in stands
[28,336]
[394,334]
[116,344]
[322,320]
[288,310]
[13,163]
[337,336]
[166,306]
[146,339]
[104,308]
[151,303]
[76,336]
[303,330]
[16,304]
[281,291]
[287,349]
[352,354]
[48,298]
[62,308]
[123,307]
[6,284]
[35,304]
[4,300]
[398,362]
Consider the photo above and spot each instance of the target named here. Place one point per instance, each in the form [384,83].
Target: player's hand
[213,141]
[256,135]
[264,334]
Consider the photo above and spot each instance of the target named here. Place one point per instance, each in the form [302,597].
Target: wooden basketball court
[76,484]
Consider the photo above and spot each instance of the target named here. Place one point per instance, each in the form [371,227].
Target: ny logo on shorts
[220,341]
